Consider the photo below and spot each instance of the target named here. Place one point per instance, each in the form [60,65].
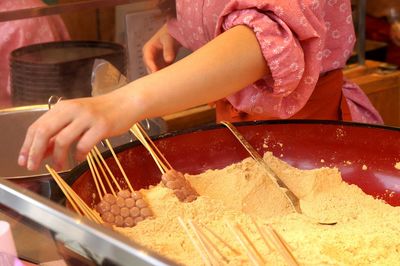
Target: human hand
[395,32]
[83,121]
[160,51]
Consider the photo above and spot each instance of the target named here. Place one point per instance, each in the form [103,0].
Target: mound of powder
[366,232]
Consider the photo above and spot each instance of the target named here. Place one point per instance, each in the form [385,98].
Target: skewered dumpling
[124,210]
[176,181]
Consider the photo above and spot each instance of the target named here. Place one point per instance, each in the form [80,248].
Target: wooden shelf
[382,87]
[60,8]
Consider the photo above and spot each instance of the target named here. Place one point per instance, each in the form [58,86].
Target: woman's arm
[223,66]
[227,64]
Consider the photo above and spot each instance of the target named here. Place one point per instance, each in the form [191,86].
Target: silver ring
[148,126]
[103,143]
[53,99]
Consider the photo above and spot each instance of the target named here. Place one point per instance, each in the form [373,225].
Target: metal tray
[78,241]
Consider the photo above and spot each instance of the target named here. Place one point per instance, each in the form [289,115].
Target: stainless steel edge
[93,237]
[38,107]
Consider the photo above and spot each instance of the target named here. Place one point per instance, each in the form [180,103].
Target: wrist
[131,102]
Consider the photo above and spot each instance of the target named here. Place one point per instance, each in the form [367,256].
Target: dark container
[62,69]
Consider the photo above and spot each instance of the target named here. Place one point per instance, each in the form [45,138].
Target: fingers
[24,152]
[40,141]
[149,58]
[37,150]
[38,137]
[86,120]
[89,139]
[26,146]
[64,139]
[168,50]
[156,58]
[159,51]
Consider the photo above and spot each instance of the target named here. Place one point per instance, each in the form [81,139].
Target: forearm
[222,67]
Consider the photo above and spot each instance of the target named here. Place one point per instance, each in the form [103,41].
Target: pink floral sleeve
[300,40]
[280,48]
[294,67]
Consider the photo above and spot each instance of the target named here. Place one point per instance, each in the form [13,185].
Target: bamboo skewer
[266,241]
[95,173]
[78,204]
[209,244]
[96,161]
[281,246]
[221,240]
[144,133]
[103,172]
[94,177]
[89,212]
[119,165]
[170,178]
[194,243]
[244,241]
[97,178]
[289,249]
[272,239]
[207,248]
[159,159]
[70,200]
[107,168]
[70,194]
[251,244]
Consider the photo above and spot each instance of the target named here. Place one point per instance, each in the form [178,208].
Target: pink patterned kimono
[301,40]
[19,33]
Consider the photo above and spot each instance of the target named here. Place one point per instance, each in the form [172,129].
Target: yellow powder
[367,229]
[242,187]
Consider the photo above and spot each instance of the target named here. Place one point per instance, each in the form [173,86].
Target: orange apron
[326,103]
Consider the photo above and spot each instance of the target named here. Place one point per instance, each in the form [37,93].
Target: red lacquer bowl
[365,154]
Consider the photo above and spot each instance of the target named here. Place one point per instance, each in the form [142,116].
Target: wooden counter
[382,87]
